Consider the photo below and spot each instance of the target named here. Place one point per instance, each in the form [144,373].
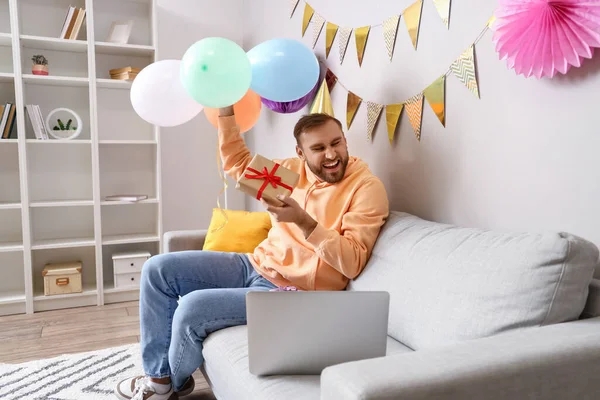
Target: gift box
[265,179]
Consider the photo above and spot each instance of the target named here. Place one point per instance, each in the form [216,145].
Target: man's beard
[327,176]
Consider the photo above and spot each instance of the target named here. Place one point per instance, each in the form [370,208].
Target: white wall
[190,179]
[522,157]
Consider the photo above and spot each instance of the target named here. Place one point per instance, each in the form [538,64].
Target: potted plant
[40,65]
[63,123]
[62,127]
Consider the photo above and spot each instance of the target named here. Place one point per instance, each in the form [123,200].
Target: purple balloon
[288,107]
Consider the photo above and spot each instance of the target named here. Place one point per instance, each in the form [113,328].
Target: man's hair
[311,121]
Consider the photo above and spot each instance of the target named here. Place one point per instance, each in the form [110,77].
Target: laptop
[300,333]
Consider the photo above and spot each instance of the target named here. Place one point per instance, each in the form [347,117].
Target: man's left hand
[291,211]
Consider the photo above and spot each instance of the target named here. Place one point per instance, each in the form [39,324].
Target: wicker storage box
[62,278]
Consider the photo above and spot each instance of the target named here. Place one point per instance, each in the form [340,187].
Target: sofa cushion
[226,366]
[236,231]
[592,306]
[449,284]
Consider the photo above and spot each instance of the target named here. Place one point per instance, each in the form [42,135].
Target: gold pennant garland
[294,4]
[414,109]
[344,37]
[331,79]
[330,33]
[435,95]
[373,113]
[390,30]
[361,35]
[308,14]
[464,68]
[443,8]
[318,23]
[412,17]
[392,116]
[352,104]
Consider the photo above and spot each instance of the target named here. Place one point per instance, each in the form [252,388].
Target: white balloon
[158,96]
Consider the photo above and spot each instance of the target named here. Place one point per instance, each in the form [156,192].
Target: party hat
[322,102]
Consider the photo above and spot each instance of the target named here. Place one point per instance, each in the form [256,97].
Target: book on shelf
[74,20]
[7,120]
[126,197]
[37,121]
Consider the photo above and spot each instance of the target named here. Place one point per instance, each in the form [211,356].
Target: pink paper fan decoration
[543,37]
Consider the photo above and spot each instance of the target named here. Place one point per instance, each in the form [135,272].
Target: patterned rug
[81,376]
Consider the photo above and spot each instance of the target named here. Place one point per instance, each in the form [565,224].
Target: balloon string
[224,179]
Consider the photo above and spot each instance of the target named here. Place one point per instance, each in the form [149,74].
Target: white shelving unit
[52,206]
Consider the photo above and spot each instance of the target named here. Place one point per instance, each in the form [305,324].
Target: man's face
[325,151]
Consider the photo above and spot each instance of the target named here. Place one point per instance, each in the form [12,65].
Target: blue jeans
[213,288]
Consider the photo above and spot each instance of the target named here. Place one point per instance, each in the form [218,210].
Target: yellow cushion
[243,231]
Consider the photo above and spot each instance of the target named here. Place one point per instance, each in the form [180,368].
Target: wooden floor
[75,330]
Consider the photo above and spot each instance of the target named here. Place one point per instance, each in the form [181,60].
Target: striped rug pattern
[81,376]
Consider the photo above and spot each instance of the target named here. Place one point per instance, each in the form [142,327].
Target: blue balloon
[283,69]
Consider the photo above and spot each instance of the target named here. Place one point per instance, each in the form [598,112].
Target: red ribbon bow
[269,177]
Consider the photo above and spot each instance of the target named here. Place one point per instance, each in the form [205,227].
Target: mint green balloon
[216,72]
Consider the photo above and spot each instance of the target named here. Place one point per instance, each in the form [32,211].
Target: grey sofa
[474,314]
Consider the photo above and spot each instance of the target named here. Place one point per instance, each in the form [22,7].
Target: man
[321,237]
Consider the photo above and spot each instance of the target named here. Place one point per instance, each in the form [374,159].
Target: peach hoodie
[349,213]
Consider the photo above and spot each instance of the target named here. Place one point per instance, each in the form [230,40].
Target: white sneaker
[140,388]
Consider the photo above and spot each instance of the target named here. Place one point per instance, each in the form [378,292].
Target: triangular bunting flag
[412,18]
[464,69]
[322,101]
[414,108]
[443,8]
[344,37]
[294,4]
[435,95]
[373,112]
[392,115]
[361,35]
[390,29]
[330,32]
[331,79]
[352,104]
[318,23]
[308,13]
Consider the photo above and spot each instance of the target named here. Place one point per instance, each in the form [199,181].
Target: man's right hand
[226,111]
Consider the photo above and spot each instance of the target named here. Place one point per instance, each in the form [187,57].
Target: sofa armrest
[592,306]
[553,362]
[184,240]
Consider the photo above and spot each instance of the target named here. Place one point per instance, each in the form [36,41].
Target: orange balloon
[247,111]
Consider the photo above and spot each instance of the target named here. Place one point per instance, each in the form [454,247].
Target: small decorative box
[62,278]
[128,268]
